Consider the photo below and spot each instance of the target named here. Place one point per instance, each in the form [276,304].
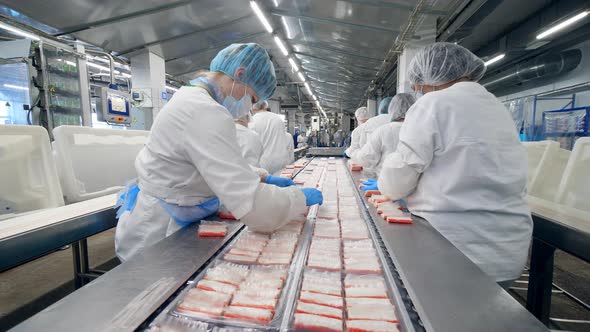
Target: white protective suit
[271,129]
[290,148]
[250,144]
[355,140]
[301,141]
[371,125]
[461,166]
[190,157]
[379,145]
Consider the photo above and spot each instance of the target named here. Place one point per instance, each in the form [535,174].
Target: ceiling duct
[544,66]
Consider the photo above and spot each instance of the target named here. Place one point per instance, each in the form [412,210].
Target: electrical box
[315,123]
[141,97]
[113,107]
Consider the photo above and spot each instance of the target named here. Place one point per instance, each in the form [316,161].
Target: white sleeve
[369,154]
[419,138]
[260,171]
[274,207]
[354,140]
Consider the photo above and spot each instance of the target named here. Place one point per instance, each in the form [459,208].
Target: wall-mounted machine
[113,106]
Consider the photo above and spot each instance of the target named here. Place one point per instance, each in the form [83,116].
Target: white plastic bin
[28,177]
[535,153]
[574,189]
[93,162]
[549,173]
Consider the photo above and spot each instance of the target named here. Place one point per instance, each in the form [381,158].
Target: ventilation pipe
[544,66]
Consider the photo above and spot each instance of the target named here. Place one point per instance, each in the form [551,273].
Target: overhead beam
[333,21]
[339,51]
[114,19]
[333,62]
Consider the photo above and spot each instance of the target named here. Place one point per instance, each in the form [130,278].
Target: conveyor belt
[436,288]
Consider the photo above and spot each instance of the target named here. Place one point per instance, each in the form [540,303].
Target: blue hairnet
[400,104]
[441,63]
[260,72]
[384,105]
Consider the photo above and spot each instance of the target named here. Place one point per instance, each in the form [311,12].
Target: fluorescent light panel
[301,77]
[261,16]
[293,65]
[18,31]
[10,86]
[495,59]
[281,46]
[562,25]
[171,88]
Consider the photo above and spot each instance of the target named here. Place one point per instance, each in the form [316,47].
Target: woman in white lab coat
[249,141]
[192,163]
[375,122]
[384,140]
[271,129]
[460,164]
[362,115]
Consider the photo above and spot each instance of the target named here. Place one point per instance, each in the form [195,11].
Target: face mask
[418,94]
[237,108]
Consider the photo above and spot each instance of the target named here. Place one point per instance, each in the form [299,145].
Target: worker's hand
[370,181]
[372,186]
[312,196]
[345,155]
[279,181]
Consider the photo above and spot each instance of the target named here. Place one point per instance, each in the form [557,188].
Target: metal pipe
[111,62]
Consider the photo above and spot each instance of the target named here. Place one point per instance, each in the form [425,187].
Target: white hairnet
[362,114]
[400,104]
[441,63]
[260,105]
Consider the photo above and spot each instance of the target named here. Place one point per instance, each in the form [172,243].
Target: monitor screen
[118,104]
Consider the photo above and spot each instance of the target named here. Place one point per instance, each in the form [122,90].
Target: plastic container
[574,188]
[549,172]
[94,162]
[535,153]
[29,179]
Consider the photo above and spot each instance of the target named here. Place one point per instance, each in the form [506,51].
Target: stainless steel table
[448,291]
[126,296]
[555,227]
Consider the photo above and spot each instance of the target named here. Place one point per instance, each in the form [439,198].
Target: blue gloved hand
[279,181]
[371,186]
[345,155]
[312,196]
[370,181]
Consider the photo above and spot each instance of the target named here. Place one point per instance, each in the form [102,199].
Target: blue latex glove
[279,181]
[372,186]
[312,196]
[370,181]
[345,155]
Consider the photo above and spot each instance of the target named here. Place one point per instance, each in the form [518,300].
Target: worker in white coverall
[290,148]
[192,163]
[362,115]
[460,164]
[375,122]
[384,140]
[249,141]
[271,128]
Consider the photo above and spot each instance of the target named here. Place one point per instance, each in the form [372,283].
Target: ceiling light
[171,88]
[315,98]
[293,65]
[495,59]
[18,31]
[125,75]
[281,46]
[261,16]
[94,65]
[10,86]
[301,77]
[562,25]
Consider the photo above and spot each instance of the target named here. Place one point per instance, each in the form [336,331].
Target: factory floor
[32,287]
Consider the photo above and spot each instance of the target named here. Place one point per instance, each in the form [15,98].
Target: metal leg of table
[78,282]
[540,280]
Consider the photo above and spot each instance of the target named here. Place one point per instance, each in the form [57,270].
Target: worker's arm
[210,143]
[369,155]
[419,138]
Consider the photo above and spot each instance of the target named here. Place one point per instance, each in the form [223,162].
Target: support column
[84,89]
[291,121]
[427,34]
[345,123]
[372,107]
[148,77]
[275,106]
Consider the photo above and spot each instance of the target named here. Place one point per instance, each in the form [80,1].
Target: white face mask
[237,108]
[418,94]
